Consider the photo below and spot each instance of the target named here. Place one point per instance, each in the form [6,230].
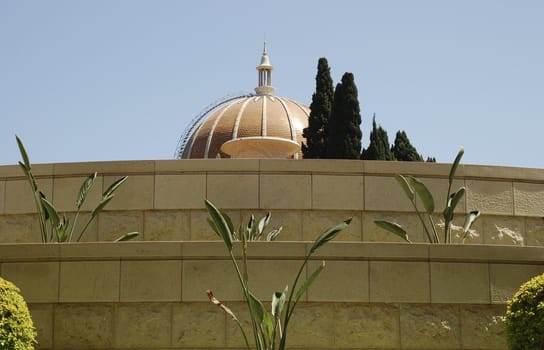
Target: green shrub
[524,318]
[16,329]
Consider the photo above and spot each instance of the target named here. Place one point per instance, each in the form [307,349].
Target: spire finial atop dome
[265,75]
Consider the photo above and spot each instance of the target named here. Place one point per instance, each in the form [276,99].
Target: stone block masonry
[375,293]
[164,200]
[151,295]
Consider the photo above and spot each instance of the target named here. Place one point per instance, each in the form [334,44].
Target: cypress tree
[344,128]
[431,160]
[403,149]
[378,148]
[320,110]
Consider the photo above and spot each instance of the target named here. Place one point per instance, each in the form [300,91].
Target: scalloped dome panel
[260,116]
[270,118]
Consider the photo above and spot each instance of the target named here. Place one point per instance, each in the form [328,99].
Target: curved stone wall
[151,295]
[164,200]
[375,293]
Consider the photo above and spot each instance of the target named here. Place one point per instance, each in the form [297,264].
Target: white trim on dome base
[260,147]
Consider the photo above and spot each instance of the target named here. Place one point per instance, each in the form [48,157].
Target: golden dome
[239,127]
[249,126]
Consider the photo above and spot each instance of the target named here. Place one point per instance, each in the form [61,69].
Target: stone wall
[151,295]
[375,293]
[164,200]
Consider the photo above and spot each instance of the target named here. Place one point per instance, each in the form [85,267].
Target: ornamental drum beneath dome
[250,126]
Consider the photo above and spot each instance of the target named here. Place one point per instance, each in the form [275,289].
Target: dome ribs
[239,118]
[289,119]
[263,119]
[214,126]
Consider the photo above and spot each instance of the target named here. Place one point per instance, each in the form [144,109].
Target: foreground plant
[269,328]
[412,186]
[524,319]
[55,227]
[17,331]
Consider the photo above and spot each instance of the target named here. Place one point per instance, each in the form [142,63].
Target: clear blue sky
[120,80]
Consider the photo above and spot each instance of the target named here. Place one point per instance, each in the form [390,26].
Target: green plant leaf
[257,308]
[51,212]
[45,213]
[261,316]
[101,205]
[214,227]
[268,324]
[114,186]
[127,237]
[423,193]
[309,281]
[30,177]
[61,229]
[455,164]
[24,155]
[85,187]
[470,219]
[393,228]
[452,203]
[229,222]
[408,190]
[329,235]
[33,181]
[220,223]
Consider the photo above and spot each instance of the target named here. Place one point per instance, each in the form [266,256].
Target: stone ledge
[359,272]
[306,166]
[147,250]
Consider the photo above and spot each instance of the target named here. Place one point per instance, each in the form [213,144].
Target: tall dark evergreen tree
[378,148]
[344,128]
[403,150]
[320,110]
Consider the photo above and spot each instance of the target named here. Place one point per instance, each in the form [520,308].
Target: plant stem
[256,331]
[84,228]
[289,310]
[243,334]
[73,226]
[53,233]
[431,221]
[41,218]
[429,237]
[447,238]
[244,256]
